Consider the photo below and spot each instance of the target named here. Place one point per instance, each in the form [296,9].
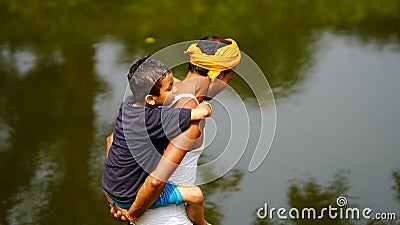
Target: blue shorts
[170,196]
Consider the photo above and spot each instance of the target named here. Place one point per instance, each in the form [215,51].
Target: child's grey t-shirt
[140,138]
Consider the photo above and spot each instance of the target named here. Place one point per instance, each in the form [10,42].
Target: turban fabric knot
[224,58]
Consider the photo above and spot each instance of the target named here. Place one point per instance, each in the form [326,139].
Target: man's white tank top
[185,174]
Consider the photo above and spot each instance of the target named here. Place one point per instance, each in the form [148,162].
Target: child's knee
[196,196]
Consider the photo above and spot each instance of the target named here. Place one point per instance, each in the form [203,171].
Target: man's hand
[118,213]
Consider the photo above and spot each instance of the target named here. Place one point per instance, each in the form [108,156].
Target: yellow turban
[224,58]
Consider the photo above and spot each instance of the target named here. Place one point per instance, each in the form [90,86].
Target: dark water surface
[334,69]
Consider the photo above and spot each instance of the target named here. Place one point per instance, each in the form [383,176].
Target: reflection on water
[396,186]
[21,60]
[280,39]
[215,193]
[33,200]
[310,193]
[48,112]
[62,76]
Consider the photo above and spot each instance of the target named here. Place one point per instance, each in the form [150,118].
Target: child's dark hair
[209,45]
[145,76]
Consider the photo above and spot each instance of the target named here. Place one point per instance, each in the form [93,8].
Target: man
[211,61]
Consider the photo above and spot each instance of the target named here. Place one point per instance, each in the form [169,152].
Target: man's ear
[150,100]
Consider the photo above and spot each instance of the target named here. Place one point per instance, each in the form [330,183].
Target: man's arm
[155,182]
[173,155]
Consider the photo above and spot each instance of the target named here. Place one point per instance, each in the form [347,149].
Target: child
[142,131]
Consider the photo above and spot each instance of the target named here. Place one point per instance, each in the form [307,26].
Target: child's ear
[150,100]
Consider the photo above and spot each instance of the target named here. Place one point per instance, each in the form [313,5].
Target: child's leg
[193,196]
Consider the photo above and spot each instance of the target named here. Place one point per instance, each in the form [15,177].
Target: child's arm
[202,111]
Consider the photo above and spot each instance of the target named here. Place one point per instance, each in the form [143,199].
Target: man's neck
[191,74]
[198,85]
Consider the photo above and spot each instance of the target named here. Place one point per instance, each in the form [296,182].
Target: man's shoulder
[186,102]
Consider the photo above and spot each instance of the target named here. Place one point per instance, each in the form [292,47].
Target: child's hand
[201,111]
[207,106]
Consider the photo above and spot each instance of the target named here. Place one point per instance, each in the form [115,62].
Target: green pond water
[334,71]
